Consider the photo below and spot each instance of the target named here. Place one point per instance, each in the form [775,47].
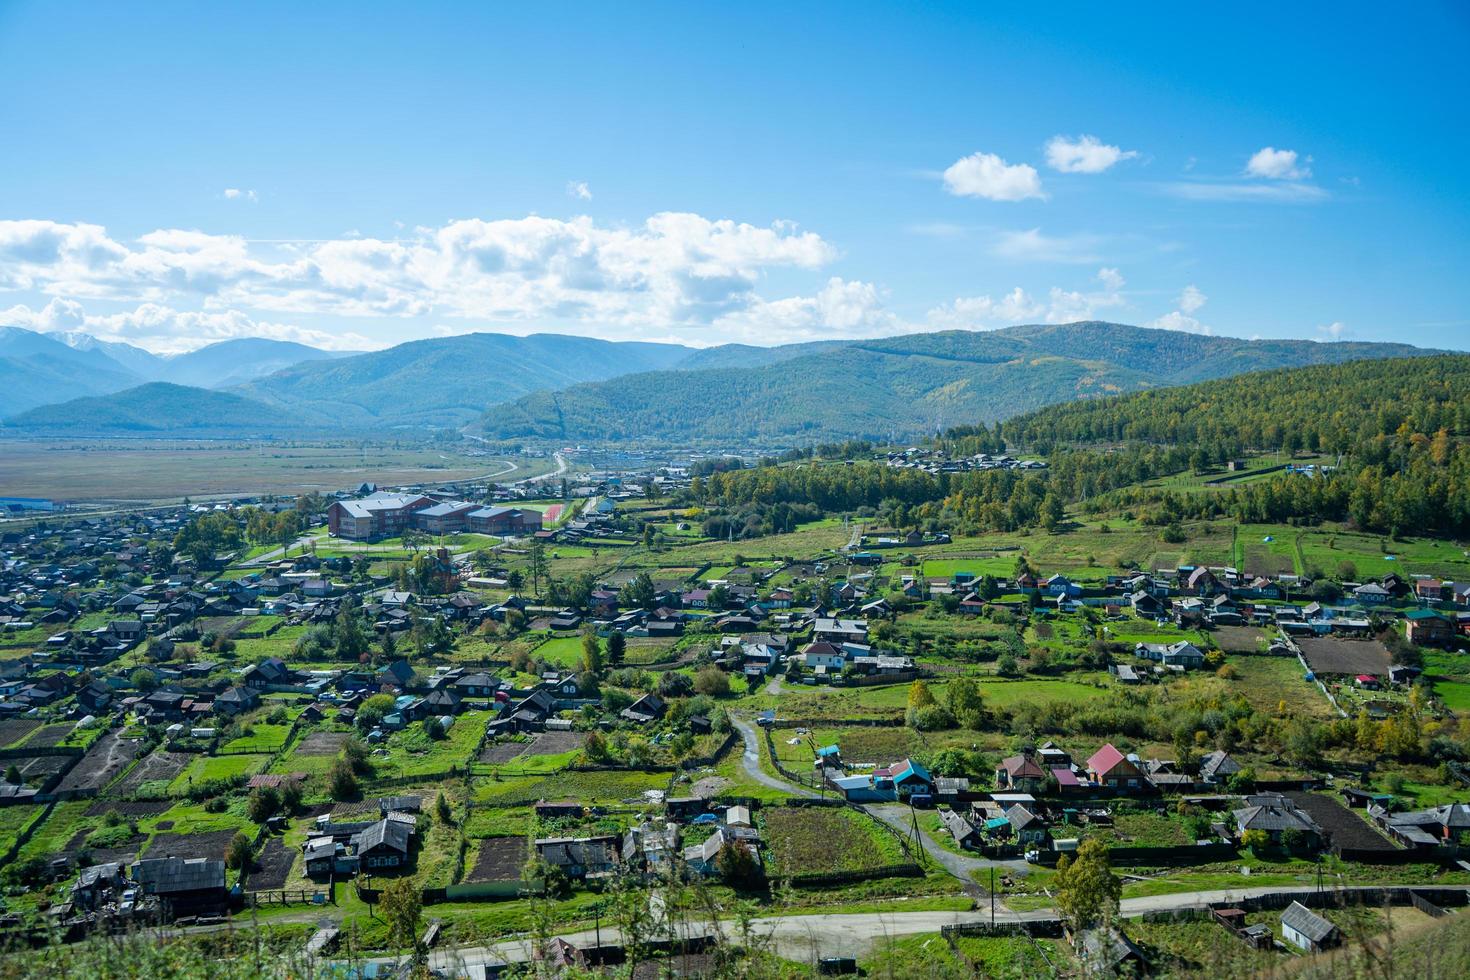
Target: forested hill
[448,381]
[158,409]
[1398,432]
[1336,408]
[901,387]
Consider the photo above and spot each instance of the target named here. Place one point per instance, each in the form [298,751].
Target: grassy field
[162,469]
[206,768]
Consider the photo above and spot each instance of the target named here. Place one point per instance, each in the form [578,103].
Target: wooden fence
[285,896]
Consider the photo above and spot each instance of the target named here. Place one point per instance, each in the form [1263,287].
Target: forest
[1392,433]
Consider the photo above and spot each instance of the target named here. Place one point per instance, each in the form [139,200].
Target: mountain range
[550,386]
[901,387]
[35,368]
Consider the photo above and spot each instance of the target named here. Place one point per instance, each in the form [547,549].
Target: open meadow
[149,470]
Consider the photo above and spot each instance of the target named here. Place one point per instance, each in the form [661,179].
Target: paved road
[962,866]
[750,759]
[804,937]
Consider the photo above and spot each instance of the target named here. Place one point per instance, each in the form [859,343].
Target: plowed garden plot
[499,859]
[322,743]
[555,743]
[1240,639]
[12,730]
[132,809]
[503,751]
[272,867]
[1330,655]
[224,625]
[812,840]
[1344,828]
[49,737]
[153,774]
[40,767]
[102,763]
[210,844]
[1261,560]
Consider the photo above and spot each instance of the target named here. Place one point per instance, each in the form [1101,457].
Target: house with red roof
[1111,769]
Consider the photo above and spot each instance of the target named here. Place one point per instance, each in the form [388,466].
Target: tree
[617,643]
[962,698]
[372,711]
[591,653]
[538,565]
[675,685]
[238,853]
[401,907]
[442,811]
[434,728]
[262,804]
[737,866]
[1256,840]
[1087,891]
[1053,511]
[341,780]
[595,746]
[712,681]
[920,696]
[352,640]
[143,679]
[12,775]
[640,592]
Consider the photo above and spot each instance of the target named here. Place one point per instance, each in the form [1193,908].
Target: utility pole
[992,896]
[918,840]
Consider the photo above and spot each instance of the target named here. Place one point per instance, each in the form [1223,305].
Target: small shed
[1306,929]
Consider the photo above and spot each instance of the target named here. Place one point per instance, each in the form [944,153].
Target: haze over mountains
[575,388]
[43,369]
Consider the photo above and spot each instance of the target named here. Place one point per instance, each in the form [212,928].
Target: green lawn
[205,768]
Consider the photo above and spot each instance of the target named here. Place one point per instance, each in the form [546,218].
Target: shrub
[712,682]
[342,780]
[239,853]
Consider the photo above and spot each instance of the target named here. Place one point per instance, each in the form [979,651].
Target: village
[503,697]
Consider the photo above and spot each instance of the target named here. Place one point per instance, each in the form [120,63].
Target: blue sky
[358,175]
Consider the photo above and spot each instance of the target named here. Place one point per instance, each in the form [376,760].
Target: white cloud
[674,268]
[937,229]
[841,308]
[1111,279]
[987,175]
[1191,299]
[237,194]
[1282,192]
[1084,155]
[1179,321]
[1069,306]
[579,190]
[982,312]
[1032,245]
[1334,330]
[1273,164]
